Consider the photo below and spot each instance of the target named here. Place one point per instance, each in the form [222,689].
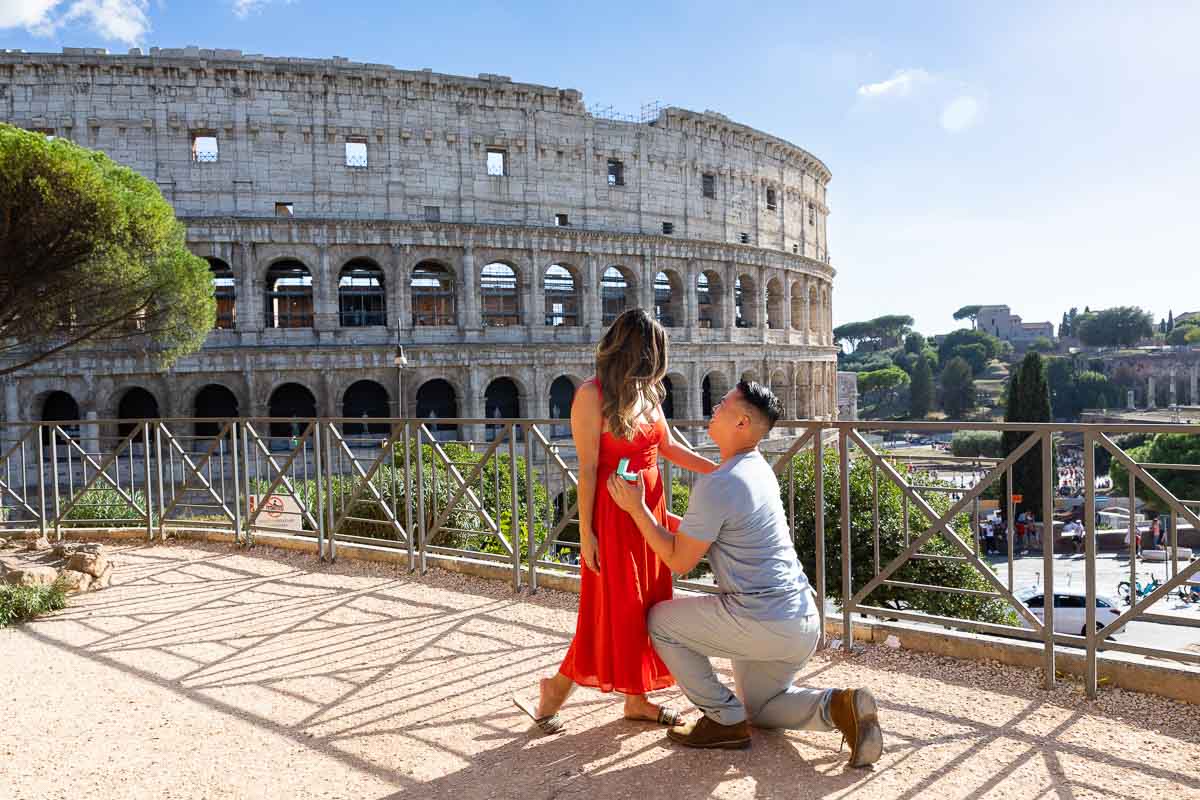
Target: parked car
[1070,610]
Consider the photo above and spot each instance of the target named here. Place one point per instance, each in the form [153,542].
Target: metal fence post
[41,471]
[421,502]
[146,478]
[1089,513]
[515,535]
[54,472]
[819,531]
[319,491]
[408,487]
[330,530]
[1047,554]
[162,507]
[847,582]
[237,484]
[531,518]
[246,479]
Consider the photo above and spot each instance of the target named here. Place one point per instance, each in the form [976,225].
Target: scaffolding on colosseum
[648,113]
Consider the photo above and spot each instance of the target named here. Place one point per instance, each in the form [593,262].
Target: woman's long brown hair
[631,362]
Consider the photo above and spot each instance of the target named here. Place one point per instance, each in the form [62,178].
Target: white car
[1070,610]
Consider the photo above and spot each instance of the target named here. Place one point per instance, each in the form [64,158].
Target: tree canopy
[1163,448]
[887,330]
[91,252]
[921,391]
[1113,327]
[968,312]
[976,347]
[958,388]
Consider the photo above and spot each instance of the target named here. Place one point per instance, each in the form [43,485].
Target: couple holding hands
[631,636]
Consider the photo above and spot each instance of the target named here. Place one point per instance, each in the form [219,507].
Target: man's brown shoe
[712,735]
[853,712]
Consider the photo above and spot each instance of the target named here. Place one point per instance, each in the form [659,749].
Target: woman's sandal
[549,724]
[668,717]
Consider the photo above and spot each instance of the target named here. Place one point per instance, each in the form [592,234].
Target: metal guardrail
[502,490]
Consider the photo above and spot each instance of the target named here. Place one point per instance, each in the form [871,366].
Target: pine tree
[1170,320]
[958,387]
[921,389]
[1028,401]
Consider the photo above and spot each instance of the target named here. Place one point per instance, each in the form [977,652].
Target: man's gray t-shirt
[737,507]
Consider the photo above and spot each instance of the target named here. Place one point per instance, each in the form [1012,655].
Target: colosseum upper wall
[492,228]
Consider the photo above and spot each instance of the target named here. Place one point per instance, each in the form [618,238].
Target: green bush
[21,603]
[975,444]
[891,543]
[106,506]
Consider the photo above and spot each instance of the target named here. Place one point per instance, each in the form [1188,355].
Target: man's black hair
[763,399]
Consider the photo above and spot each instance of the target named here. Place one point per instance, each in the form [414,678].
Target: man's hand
[629,496]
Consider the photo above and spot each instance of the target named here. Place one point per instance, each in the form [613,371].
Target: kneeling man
[764,618]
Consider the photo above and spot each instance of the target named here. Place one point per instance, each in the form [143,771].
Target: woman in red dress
[617,415]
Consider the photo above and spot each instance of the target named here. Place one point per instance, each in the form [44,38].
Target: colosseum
[489,228]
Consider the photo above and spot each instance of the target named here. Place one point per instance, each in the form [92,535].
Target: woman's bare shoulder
[588,394]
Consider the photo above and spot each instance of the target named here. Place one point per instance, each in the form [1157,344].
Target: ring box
[623,471]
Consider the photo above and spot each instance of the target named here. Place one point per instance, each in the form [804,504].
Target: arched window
[814,311]
[780,388]
[500,302]
[562,395]
[562,296]
[296,406]
[501,400]
[136,404]
[365,399]
[433,295]
[214,401]
[668,294]
[289,296]
[61,407]
[225,293]
[436,399]
[617,293]
[774,304]
[712,390]
[708,299]
[743,301]
[361,297]
[798,309]
[675,403]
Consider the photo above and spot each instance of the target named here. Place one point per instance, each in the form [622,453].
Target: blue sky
[1043,155]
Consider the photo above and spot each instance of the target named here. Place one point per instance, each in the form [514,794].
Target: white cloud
[900,84]
[119,20]
[244,8]
[960,113]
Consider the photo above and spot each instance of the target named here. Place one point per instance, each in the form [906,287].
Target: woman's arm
[680,454]
[586,424]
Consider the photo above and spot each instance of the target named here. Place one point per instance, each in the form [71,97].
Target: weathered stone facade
[318,164]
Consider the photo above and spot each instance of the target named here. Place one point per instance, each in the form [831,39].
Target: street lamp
[401,362]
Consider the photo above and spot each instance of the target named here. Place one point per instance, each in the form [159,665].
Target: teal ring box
[623,471]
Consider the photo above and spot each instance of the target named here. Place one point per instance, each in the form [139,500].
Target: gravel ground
[208,672]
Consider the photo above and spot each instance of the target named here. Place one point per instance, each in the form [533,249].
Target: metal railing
[896,528]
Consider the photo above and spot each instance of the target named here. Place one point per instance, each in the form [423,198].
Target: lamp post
[401,362]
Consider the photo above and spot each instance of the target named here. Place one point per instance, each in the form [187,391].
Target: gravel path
[207,672]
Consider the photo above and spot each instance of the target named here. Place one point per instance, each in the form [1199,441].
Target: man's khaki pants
[766,657]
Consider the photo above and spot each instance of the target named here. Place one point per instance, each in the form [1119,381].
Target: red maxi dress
[611,650]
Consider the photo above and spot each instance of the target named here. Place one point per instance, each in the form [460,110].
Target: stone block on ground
[103,580]
[3,543]
[76,581]
[38,544]
[93,564]
[31,576]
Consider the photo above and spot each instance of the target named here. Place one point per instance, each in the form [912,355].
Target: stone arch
[213,401]
[562,396]
[675,404]
[745,303]
[563,294]
[294,400]
[60,406]
[775,304]
[781,389]
[749,375]
[710,290]
[433,294]
[668,299]
[136,403]
[365,398]
[224,292]
[438,399]
[288,294]
[814,310]
[362,296]
[499,295]
[501,400]
[714,386]
[799,306]
[618,292]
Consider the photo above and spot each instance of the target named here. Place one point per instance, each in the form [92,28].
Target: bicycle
[1142,589]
